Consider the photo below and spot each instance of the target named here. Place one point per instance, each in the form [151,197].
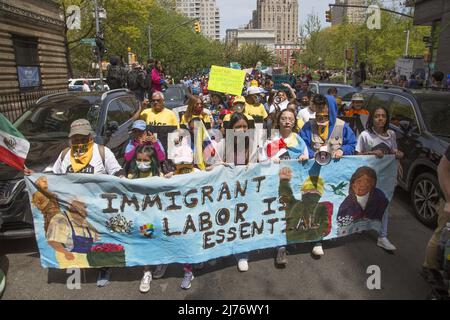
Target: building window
[27,62]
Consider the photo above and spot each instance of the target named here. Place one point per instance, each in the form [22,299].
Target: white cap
[254,90]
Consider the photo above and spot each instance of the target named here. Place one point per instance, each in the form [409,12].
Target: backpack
[101,150]
[148,80]
[115,77]
[135,79]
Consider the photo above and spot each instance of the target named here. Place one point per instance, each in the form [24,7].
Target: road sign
[90,41]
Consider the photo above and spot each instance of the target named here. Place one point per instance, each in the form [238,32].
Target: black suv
[46,126]
[421,121]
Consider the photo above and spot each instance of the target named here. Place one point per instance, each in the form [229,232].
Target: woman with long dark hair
[379,140]
[157,77]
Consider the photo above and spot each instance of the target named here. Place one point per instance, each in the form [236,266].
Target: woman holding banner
[238,122]
[378,140]
[287,145]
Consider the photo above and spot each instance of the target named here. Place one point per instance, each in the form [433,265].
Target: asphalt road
[339,274]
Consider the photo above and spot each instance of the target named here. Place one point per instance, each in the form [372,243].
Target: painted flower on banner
[119,224]
[108,247]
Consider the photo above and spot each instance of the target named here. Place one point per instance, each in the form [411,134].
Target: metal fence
[13,105]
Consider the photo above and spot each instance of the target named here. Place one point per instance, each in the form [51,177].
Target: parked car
[421,121]
[46,126]
[322,88]
[77,84]
[176,95]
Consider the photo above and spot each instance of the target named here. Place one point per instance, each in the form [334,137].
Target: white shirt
[95,166]
[367,141]
[283,105]
[86,88]
[362,200]
[306,114]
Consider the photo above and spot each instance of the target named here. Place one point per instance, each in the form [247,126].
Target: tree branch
[83,36]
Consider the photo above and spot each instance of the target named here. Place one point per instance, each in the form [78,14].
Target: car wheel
[425,196]
[2,282]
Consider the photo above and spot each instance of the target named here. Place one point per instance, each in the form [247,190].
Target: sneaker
[103,277]
[385,244]
[317,250]
[281,256]
[160,271]
[186,283]
[243,265]
[145,282]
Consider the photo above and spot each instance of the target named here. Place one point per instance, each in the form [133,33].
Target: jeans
[384,224]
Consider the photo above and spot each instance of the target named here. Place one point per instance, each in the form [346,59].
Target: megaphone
[323,157]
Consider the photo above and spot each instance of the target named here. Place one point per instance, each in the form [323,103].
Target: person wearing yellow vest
[158,115]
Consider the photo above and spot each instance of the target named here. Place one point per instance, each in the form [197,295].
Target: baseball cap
[80,126]
[357,97]
[239,99]
[140,125]
[254,90]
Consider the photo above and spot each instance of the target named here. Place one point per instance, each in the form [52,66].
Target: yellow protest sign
[226,80]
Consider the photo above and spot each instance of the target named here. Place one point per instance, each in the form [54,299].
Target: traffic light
[197,27]
[328,15]
[100,46]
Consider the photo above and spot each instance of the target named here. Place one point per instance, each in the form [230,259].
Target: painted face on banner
[363,185]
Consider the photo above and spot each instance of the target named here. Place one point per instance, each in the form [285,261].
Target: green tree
[173,40]
[378,48]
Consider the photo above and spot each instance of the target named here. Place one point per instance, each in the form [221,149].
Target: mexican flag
[13,145]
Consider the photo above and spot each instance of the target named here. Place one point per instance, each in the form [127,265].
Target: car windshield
[341,91]
[173,94]
[436,114]
[52,119]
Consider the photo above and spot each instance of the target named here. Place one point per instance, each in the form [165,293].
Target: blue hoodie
[349,139]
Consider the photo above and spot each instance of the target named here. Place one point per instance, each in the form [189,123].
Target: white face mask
[144,166]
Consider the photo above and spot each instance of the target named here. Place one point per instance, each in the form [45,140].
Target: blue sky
[237,13]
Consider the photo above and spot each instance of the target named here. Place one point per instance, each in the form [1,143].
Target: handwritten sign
[226,80]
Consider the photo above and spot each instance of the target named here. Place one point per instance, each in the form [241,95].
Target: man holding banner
[83,156]
[327,133]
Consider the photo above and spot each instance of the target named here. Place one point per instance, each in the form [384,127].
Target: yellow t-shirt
[256,111]
[164,118]
[205,118]
[227,118]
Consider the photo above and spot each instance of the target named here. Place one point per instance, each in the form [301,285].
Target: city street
[340,274]
[161,131]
